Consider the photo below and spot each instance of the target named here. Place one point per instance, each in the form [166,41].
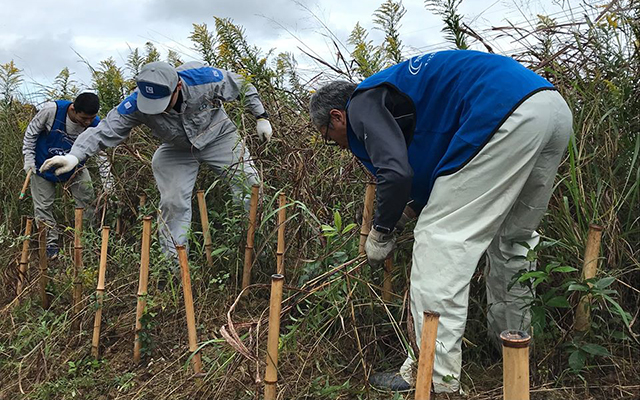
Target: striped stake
[427,354]
[196,361]
[282,217]
[43,263]
[515,372]
[142,284]
[77,272]
[248,249]
[25,185]
[204,220]
[367,215]
[275,307]
[24,257]
[95,343]
[589,270]
[387,286]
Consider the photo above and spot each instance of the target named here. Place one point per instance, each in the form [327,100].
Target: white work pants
[491,204]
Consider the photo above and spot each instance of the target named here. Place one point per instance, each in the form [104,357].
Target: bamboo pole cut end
[430,314]
[515,339]
[595,227]
[147,218]
[277,277]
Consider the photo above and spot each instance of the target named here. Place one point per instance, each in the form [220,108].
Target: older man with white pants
[471,143]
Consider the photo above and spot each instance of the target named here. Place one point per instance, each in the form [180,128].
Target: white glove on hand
[61,164]
[29,165]
[263,126]
[379,246]
[108,183]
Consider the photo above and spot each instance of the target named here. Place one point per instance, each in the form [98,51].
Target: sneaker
[389,382]
[52,252]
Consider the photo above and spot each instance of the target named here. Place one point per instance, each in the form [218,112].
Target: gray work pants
[175,169]
[493,203]
[43,193]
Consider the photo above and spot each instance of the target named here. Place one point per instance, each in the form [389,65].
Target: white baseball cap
[156,82]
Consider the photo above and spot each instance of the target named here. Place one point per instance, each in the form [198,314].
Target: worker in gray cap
[183,107]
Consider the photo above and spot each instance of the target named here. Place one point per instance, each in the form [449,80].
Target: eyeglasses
[327,140]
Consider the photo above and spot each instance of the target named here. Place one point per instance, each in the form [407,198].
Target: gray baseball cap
[156,82]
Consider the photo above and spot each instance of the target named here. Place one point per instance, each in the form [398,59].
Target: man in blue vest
[50,133]
[470,142]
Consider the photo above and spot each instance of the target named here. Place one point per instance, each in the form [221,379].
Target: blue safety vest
[460,99]
[56,143]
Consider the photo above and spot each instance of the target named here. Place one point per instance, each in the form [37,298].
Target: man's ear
[337,115]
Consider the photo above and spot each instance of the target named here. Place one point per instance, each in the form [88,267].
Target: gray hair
[333,95]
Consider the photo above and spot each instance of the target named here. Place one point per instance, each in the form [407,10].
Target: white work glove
[108,183]
[29,165]
[263,126]
[379,246]
[61,164]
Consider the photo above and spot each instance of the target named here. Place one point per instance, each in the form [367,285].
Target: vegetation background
[335,328]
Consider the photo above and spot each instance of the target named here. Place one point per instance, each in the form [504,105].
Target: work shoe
[52,252]
[389,382]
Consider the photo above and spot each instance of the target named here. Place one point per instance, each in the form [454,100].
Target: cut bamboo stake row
[427,354]
[77,272]
[204,220]
[515,368]
[248,249]
[367,215]
[282,217]
[24,257]
[196,361]
[43,263]
[275,307]
[142,284]
[102,270]
[589,271]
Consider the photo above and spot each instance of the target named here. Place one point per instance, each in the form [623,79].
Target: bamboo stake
[248,249]
[427,354]
[188,306]
[95,343]
[589,270]
[77,272]
[275,307]
[282,217]
[387,287]
[142,284]
[24,257]
[204,220]
[367,215]
[43,263]
[25,185]
[515,355]
[142,201]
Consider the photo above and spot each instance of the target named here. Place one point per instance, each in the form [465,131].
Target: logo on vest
[57,151]
[416,63]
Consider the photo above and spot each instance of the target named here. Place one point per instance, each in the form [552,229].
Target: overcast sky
[43,37]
